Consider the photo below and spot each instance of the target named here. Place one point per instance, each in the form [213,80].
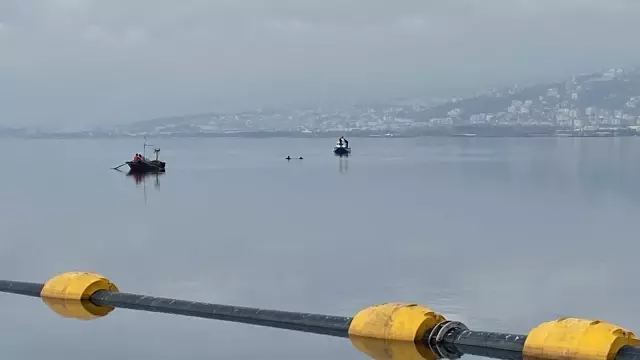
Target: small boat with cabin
[140,164]
[342,147]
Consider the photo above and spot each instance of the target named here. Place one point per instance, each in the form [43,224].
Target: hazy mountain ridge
[608,98]
[616,90]
[605,98]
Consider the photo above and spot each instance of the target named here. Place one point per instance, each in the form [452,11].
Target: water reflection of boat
[343,165]
[140,178]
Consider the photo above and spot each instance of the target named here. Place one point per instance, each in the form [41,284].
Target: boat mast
[144,151]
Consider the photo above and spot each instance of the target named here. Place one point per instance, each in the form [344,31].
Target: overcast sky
[90,62]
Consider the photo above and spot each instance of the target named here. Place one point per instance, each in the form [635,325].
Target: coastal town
[600,104]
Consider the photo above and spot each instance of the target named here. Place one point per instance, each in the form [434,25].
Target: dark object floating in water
[300,158]
[288,158]
[142,165]
[342,147]
[146,166]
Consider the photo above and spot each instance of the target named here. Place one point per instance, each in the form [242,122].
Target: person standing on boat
[340,141]
[346,143]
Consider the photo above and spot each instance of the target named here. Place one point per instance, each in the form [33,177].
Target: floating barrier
[384,332]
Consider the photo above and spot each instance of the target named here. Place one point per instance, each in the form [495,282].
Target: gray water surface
[501,234]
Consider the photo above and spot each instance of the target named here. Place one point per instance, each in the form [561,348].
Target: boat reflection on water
[343,165]
[140,178]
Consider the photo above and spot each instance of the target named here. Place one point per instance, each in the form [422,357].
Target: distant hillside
[609,98]
[611,91]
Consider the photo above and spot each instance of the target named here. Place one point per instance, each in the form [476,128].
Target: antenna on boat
[144,150]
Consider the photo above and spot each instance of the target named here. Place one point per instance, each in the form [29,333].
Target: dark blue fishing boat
[342,147]
[141,164]
[146,166]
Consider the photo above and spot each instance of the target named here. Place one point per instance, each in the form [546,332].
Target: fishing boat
[341,150]
[143,165]
[146,166]
[342,147]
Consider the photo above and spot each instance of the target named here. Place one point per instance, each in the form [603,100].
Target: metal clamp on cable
[437,334]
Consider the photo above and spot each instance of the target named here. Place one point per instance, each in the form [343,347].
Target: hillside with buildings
[602,99]
[604,103]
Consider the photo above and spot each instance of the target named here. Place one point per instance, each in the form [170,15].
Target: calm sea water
[501,234]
